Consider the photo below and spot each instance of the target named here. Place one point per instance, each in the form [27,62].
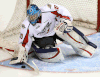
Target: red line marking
[45,71]
[5,60]
[1,47]
[9,50]
[91,34]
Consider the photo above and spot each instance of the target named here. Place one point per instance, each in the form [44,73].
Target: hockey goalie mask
[33,13]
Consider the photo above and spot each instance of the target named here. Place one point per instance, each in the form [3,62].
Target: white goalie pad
[56,56]
[21,55]
[77,42]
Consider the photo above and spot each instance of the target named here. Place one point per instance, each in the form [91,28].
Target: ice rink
[90,68]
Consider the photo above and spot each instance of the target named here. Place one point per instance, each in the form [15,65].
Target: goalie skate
[19,56]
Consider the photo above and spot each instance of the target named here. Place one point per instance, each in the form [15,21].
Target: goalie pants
[47,41]
[45,49]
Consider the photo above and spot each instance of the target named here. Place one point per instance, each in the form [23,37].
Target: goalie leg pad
[87,51]
[84,37]
[77,42]
[49,55]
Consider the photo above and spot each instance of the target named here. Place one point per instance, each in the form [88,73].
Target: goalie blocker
[75,38]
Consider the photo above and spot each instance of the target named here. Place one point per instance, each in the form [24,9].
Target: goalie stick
[37,69]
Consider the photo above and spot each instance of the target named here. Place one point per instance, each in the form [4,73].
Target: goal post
[98,16]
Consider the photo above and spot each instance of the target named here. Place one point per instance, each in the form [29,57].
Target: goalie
[45,25]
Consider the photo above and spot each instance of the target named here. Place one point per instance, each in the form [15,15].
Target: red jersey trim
[25,39]
[59,15]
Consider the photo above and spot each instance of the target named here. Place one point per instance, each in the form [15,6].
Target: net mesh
[84,12]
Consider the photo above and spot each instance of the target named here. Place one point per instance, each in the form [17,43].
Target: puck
[23,66]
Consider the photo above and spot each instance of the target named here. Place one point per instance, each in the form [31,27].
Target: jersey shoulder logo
[21,35]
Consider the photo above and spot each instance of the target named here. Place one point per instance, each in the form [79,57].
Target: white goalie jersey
[51,14]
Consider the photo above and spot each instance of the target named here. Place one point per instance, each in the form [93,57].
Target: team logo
[49,5]
[23,26]
[46,29]
[56,7]
[21,35]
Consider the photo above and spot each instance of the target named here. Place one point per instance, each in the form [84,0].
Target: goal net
[84,13]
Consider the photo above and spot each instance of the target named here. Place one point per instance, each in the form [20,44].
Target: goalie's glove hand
[64,25]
